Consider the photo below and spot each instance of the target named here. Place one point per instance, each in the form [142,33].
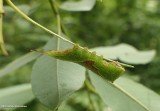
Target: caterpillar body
[107,70]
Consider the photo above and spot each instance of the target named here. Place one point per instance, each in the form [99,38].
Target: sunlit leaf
[82,5]
[126,53]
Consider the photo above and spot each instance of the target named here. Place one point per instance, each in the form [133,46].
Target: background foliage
[110,22]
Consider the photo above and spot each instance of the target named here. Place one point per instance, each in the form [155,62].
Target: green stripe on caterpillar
[107,70]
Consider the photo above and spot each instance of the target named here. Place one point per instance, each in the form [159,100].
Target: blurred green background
[136,22]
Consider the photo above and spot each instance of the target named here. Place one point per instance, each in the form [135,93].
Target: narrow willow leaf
[18,63]
[54,80]
[115,97]
[126,53]
[149,98]
[82,5]
[15,96]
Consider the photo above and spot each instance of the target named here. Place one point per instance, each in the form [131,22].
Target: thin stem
[4,51]
[90,89]
[56,12]
[59,30]
[91,102]
[35,23]
[123,64]
[54,9]
[126,65]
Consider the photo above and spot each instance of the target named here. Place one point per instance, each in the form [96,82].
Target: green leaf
[82,5]
[114,96]
[126,53]
[18,63]
[54,80]
[149,98]
[15,95]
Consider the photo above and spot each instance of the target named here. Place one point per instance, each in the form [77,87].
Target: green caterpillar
[108,70]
